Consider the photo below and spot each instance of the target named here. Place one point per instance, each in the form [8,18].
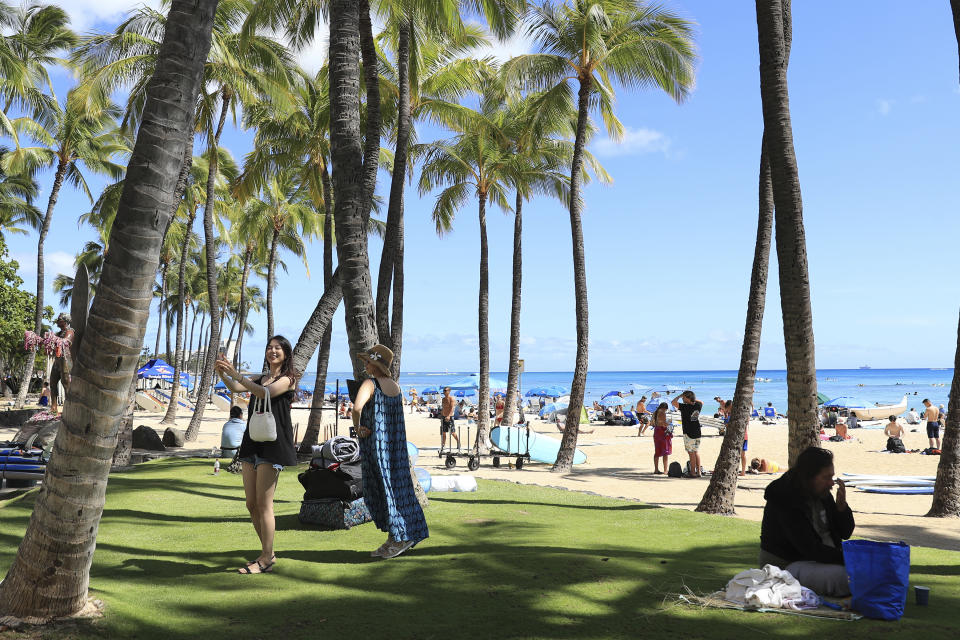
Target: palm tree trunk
[247,258]
[271,276]
[189,350]
[803,425]
[163,295]
[38,309]
[206,376]
[720,494]
[946,489]
[483,322]
[394,231]
[371,75]
[318,323]
[513,371]
[568,443]
[351,206]
[171,416]
[315,421]
[198,358]
[51,572]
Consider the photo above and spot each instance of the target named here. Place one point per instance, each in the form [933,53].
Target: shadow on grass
[611,507]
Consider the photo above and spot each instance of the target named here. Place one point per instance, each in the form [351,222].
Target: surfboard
[148,403]
[915,491]
[542,448]
[221,402]
[860,476]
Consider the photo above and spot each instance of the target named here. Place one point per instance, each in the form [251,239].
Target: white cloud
[519,43]
[86,15]
[884,106]
[634,141]
[54,263]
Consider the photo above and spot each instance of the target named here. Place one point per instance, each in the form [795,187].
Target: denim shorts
[256,461]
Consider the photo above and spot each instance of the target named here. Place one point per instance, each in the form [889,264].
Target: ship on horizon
[866,366]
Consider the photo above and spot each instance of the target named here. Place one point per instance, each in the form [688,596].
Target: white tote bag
[263,428]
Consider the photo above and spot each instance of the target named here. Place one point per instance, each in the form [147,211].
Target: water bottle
[216,467]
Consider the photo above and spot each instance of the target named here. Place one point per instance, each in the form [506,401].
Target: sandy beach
[620,464]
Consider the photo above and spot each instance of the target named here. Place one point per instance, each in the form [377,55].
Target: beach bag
[895,445]
[675,470]
[344,482]
[332,514]
[879,573]
[263,428]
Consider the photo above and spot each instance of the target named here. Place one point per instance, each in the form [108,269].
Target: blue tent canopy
[430,391]
[472,381]
[333,389]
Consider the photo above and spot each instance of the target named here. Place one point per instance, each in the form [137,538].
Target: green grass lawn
[509,561]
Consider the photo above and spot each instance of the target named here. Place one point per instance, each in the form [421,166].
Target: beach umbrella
[472,381]
[463,393]
[822,398]
[553,407]
[549,391]
[847,402]
[430,391]
[612,393]
[614,401]
[330,388]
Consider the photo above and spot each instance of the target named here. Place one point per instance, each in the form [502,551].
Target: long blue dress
[387,485]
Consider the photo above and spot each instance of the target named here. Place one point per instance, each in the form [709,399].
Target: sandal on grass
[256,567]
[396,548]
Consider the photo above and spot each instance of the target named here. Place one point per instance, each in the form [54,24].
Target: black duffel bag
[344,482]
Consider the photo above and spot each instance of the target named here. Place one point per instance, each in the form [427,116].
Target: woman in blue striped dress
[387,483]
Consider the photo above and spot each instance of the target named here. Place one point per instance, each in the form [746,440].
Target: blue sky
[874,102]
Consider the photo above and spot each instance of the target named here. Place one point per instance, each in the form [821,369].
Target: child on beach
[662,438]
[894,433]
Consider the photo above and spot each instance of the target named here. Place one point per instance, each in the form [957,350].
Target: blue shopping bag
[879,573]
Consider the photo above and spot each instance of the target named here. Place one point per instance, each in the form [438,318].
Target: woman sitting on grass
[262,462]
[803,525]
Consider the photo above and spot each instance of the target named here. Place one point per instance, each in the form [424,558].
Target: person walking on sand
[62,362]
[448,410]
[262,462]
[413,400]
[387,482]
[932,415]
[690,420]
[662,438]
[643,416]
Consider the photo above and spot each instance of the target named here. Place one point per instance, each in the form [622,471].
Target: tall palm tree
[802,419]
[591,43]
[946,490]
[477,162]
[109,351]
[37,34]
[431,75]
[720,493]
[81,134]
[254,256]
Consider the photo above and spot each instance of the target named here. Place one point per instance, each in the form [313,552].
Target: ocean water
[871,385]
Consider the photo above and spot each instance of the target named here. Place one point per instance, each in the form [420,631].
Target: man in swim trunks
[62,363]
[932,415]
[447,407]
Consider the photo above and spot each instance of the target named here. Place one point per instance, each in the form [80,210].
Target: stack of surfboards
[898,485]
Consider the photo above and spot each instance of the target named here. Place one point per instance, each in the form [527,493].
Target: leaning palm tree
[720,493]
[802,421]
[82,134]
[591,43]
[109,350]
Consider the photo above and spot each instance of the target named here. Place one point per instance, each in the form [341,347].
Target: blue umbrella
[332,389]
[430,391]
[553,407]
[614,401]
[611,393]
[551,391]
[463,393]
[473,382]
[220,385]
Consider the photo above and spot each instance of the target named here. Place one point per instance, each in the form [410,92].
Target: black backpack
[895,445]
[675,470]
[344,482]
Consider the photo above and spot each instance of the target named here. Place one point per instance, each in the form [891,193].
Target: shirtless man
[894,433]
[447,406]
[932,415]
[643,416]
[62,363]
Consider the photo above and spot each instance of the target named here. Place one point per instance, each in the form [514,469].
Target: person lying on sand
[761,465]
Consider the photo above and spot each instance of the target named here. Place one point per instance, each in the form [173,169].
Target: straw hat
[380,357]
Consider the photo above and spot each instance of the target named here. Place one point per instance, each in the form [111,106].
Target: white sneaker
[396,549]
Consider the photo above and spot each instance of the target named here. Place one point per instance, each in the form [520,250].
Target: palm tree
[17,211]
[431,76]
[476,162]
[80,134]
[37,33]
[720,493]
[591,42]
[802,419]
[946,490]
[109,351]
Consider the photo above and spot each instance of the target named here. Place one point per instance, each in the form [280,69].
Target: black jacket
[787,531]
